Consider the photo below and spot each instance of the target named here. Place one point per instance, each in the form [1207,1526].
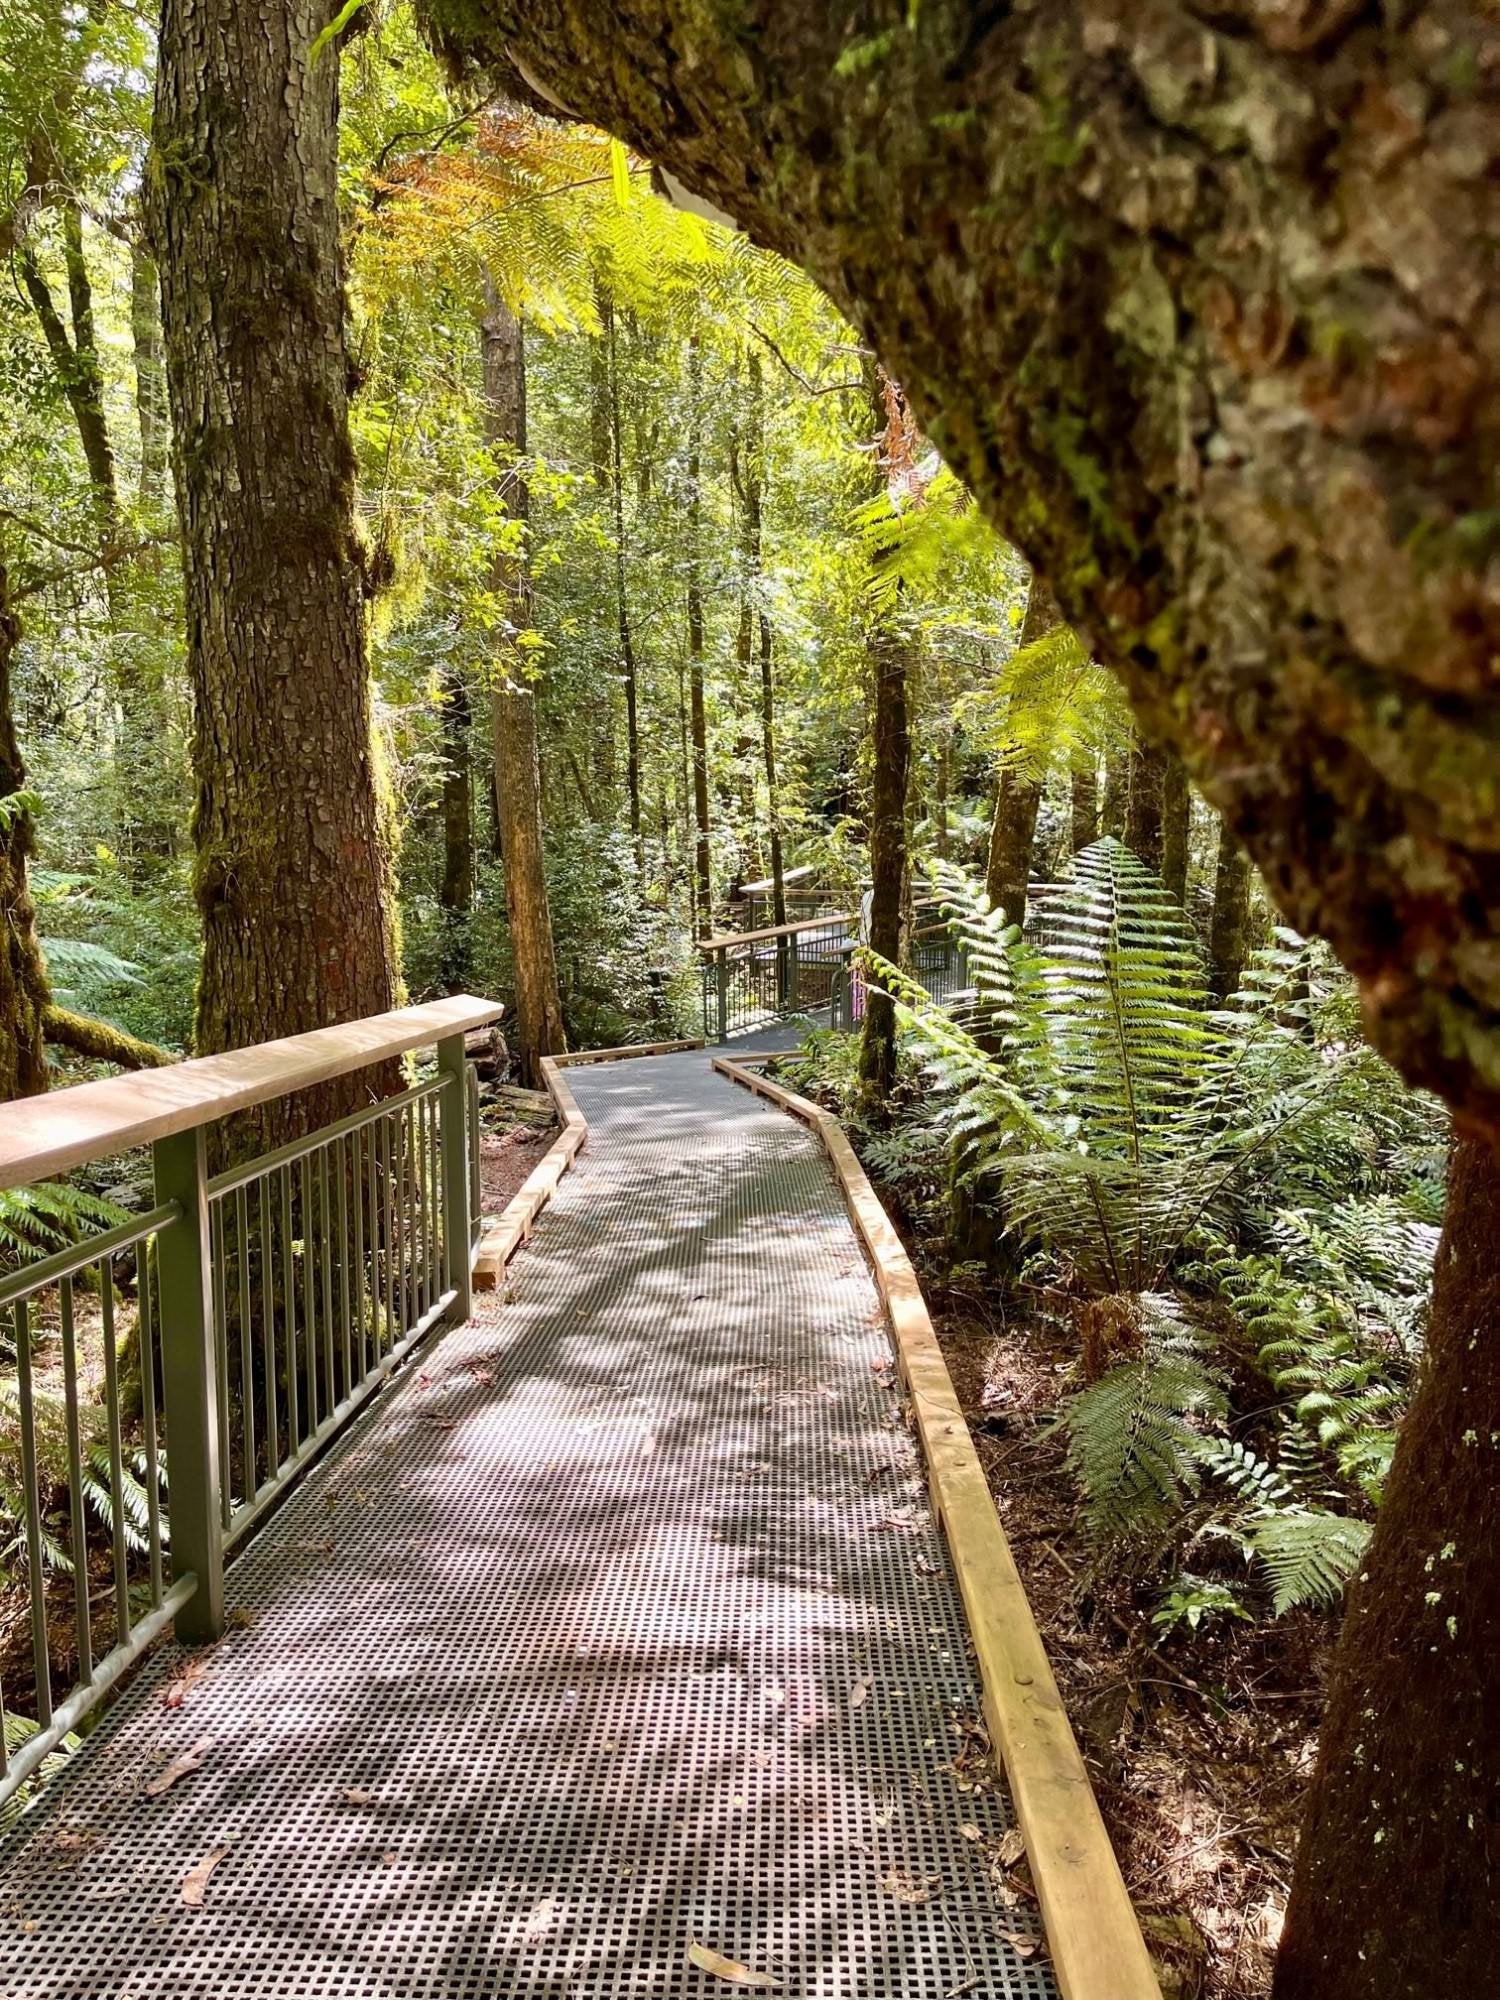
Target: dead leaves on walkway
[730,1969]
[180,1767]
[195,1882]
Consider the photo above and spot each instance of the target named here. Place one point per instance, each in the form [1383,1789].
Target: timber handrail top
[48,1135]
[776,930]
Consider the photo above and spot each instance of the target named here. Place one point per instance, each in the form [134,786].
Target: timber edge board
[1093,1934]
[513,1227]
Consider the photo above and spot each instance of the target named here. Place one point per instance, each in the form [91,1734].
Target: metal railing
[164,1381]
[937,962]
[751,978]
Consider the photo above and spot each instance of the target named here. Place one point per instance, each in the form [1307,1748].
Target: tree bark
[1394,1892]
[456,893]
[24,996]
[1116,793]
[1085,819]
[1229,928]
[1145,803]
[76,360]
[702,844]
[1255,475]
[518,780]
[293,870]
[1176,828]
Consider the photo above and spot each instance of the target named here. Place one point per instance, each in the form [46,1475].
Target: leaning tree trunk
[1245,425]
[518,778]
[293,869]
[1395,1889]
[23,978]
[1007,872]
[1229,928]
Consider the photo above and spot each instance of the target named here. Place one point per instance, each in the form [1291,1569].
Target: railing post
[189,1368]
[721,975]
[457,1139]
[793,968]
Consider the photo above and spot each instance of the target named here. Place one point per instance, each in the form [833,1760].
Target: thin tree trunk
[76,361]
[518,780]
[1394,1891]
[456,894]
[1145,801]
[1085,823]
[150,379]
[944,786]
[293,872]
[1176,827]
[703,847]
[1007,872]
[1229,929]
[622,603]
[889,650]
[749,474]
[24,997]
[1116,794]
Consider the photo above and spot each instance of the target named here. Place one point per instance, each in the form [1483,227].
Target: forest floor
[507,1154]
[1200,1749]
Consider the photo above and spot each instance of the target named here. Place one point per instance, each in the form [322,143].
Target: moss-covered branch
[84,1035]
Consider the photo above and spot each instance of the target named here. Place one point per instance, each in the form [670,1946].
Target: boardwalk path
[617,1625]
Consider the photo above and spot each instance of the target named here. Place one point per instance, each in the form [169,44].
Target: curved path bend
[617,1626]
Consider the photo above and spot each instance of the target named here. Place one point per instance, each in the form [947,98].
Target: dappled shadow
[619,1624]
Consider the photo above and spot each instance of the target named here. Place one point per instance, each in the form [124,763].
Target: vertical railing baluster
[219,1258]
[386,1128]
[471,1139]
[363,1294]
[459,1126]
[325,1265]
[408,1260]
[418,1214]
[428,1152]
[289,1311]
[341,1183]
[149,1440]
[247,1345]
[40,1655]
[309,1317]
[188,1371]
[116,1451]
[78,1535]
[268,1320]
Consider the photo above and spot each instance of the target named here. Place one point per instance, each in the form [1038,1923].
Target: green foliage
[48,1216]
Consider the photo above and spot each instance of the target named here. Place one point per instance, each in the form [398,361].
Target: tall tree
[702,832]
[1228,936]
[1084,821]
[748,471]
[23,978]
[150,377]
[1018,798]
[518,780]
[293,874]
[1145,801]
[456,891]
[1176,827]
[622,599]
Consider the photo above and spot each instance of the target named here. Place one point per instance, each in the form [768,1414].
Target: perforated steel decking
[618,1624]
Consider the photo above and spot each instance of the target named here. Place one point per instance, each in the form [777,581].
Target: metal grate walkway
[617,1625]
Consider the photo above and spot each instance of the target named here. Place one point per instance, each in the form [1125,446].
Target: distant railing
[206,1351]
[751,978]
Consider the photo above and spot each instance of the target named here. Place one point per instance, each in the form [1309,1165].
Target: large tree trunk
[293,873]
[23,979]
[538,1027]
[456,891]
[1255,472]
[1397,1878]
[1084,825]
[1018,800]
[1229,928]
[702,843]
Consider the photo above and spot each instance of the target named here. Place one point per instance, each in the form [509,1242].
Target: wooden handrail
[726,938]
[48,1135]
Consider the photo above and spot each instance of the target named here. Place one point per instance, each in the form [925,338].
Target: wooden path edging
[513,1227]
[1097,1949]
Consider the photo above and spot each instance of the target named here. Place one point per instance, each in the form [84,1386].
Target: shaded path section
[617,1624]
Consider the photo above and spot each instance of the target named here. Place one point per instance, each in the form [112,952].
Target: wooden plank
[500,1242]
[624,1051]
[776,931]
[44,1136]
[1097,1949]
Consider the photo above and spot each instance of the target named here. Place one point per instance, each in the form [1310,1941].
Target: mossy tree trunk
[538,1029]
[1116,793]
[150,378]
[628,670]
[1257,478]
[1229,928]
[703,898]
[24,996]
[293,865]
[1084,824]
[456,891]
[1394,1891]
[1145,802]
[1176,827]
